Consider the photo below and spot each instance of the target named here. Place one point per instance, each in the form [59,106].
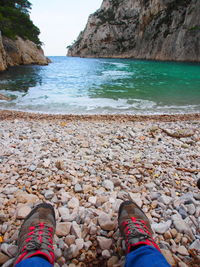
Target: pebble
[23,197]
[136,197]
[23,211]
[78,188]
[108,185]
[104,242]
[73,203]
[63,228]
[86,170]
[105,222]
[169,257]
[70,239]
[79,243]
[71,252]
[180,225]
[106,254]
[76,230]
[182,250]
[49,194]
[165,199]
[195,245]
[162,227]
[3,258]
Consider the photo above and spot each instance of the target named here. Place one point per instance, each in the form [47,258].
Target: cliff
[20,52]
[145,29]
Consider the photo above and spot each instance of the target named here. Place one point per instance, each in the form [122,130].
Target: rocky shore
[86,166]
[20,52]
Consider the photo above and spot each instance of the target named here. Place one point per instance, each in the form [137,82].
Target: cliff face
[3,64]
[146,29]
[20,52]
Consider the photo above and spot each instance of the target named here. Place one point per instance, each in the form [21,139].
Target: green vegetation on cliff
[15,20]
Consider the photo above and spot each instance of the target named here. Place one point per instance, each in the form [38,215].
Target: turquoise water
[103,86]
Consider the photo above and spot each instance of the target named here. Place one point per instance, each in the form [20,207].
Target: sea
[71,85]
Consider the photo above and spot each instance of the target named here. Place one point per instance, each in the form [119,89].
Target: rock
[154,195]
[167,235]
[197,195]
[71,252]
[9,249]
[182,264]
[182,212]
[150,186]
[63,211]
[32,168]
[58,253]
[78,188]
[63,228]
[93,230]
[165,199]
[169,257]
[65,196]
[180,225]
[105,254]
[22,212]
[92,200]
[182,250]
[76,230]
[8,263]
[46,163]
[10,190]
[23,197]
[191,209]
[70,239]
[73,203]
[49,194]
[112,261]
[136,197]
[162,227]
[79,243]
[105,222]
[117,204]
[195,245]
[3,258]
[174,232]
[108,185]
[87,245]
[104,243]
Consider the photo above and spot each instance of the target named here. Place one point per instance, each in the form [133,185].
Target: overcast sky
[60,22]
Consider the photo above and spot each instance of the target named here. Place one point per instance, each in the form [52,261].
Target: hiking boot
[135,226]
[36,234]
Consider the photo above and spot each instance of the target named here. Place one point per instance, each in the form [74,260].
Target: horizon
[67,19]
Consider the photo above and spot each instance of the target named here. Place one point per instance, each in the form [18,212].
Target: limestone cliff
[146,29]
[20,52]
[3,64]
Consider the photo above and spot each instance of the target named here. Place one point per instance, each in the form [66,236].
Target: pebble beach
[86,166]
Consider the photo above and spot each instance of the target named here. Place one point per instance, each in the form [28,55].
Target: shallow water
[103,86]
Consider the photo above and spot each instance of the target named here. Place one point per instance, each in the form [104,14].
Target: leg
[35,242]
[135,228]
[146,256]
[34,262]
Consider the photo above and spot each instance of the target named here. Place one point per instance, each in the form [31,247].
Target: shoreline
[10,115]
[86,166]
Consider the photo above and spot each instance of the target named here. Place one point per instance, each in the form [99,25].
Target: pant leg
[146,256]
[34,262]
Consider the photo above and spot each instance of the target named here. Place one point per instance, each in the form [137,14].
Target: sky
[60,22]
